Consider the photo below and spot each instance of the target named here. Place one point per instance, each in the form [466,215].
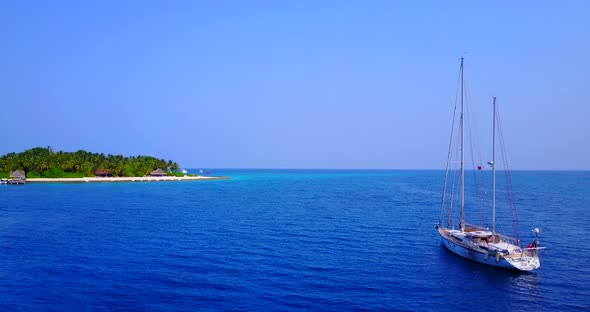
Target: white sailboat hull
[476,242]
[516,262]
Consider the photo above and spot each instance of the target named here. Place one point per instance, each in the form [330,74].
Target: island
[43,164]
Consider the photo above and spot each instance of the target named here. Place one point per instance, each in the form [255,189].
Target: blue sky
[294,84]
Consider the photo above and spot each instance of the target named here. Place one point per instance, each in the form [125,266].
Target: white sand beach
[124,179]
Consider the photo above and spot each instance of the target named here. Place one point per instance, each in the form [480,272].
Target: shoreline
[124,179]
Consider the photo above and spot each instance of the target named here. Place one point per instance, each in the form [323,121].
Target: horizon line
[366,169]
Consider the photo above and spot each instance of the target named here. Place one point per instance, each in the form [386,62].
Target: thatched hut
[103,173]
[157,173]
[18,177]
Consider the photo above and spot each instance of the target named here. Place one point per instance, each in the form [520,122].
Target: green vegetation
[44,162]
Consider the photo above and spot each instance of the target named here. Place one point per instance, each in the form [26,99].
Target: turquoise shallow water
[279,240]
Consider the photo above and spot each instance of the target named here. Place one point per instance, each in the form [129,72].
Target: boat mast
[494,173]
[462,170]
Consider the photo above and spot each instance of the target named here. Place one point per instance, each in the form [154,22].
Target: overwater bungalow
[17,177]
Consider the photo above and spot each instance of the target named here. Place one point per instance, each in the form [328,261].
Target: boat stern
[524,263]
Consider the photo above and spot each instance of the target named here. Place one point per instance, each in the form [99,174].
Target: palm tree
[41,165]
[27,163]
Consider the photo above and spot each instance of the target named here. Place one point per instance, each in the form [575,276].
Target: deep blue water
[275,240]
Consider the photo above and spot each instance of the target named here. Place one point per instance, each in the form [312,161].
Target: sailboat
[475,241]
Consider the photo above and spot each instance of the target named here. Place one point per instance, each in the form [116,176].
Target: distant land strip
[126,179]
[43,164]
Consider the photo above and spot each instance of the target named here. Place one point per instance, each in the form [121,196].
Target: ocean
[280,240]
